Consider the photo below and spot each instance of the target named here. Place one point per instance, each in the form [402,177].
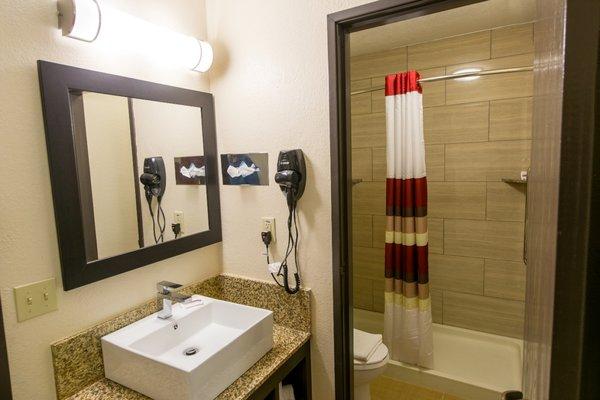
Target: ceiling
[472,18]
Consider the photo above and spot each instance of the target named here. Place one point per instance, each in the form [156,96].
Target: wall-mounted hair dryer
[154,180]
[154,177]
[291,177]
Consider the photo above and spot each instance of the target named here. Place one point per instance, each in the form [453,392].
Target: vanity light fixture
[466,71]
[84,19]
[80,19]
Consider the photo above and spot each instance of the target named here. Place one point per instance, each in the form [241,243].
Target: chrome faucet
[167,294]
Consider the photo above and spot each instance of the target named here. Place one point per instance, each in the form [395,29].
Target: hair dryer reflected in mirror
[291,178]
[154,180]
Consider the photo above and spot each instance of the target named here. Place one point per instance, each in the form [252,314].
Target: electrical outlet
[268,225]
[178,219]
[35,299]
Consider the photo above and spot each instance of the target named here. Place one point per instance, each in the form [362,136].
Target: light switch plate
[35,299]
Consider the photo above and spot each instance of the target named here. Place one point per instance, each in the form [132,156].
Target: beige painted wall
[28,244]
[476,133]
[271,90]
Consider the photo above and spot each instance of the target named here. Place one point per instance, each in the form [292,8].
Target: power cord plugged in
[176,229]
[266,238]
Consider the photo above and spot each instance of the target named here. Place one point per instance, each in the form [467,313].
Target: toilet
[366,371]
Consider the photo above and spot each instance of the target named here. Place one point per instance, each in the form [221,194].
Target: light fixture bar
[83,20]
[80,19]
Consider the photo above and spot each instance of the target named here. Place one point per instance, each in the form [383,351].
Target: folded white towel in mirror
[365,344]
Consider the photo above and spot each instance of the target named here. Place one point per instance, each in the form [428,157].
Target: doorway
[357,255]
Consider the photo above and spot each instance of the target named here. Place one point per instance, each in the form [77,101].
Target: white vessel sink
[195,354]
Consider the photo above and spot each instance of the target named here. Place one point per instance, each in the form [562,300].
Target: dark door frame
[573,370]
[575,357]
[339,26]
[5,387]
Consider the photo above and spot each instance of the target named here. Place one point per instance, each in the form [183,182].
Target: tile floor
[385,388]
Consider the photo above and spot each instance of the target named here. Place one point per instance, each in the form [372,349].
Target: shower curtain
[407,326]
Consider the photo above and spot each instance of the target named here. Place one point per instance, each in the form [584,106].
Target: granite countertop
[78,363]
[286,341]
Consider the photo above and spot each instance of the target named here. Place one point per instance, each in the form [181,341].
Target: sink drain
[190,351]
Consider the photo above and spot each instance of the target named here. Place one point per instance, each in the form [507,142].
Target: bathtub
[469,364]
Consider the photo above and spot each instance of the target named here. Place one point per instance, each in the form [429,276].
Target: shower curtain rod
[454,76]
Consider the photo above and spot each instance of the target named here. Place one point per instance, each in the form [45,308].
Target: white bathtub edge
[437,381]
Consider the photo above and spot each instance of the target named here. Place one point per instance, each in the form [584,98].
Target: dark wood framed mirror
[101,129]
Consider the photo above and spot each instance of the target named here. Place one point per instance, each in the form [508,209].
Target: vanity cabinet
[295,371]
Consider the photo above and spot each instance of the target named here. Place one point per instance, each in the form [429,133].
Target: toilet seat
[378,359]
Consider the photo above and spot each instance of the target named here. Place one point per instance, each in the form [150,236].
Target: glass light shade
[467,71]
[80,19]
[206,57]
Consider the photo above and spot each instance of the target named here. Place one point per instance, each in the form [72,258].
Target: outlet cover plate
[268,225]
[35,299]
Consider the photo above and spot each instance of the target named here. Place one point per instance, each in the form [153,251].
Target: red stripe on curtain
[409,263]
[405,194]
[402,83]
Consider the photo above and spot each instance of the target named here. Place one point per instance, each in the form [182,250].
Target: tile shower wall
[476,133]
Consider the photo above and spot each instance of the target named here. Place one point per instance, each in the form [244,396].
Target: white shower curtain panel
[407,326]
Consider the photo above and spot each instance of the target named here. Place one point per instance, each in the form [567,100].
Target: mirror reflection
[146,178]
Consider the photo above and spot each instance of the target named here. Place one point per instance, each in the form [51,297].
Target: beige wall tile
[379,164]
[456,200]
[487,161]
[368,262]
[505,279]
[493,87]
[360,103]
[362,164]
[459,274]
[467,122]
[437,305]
[368,130]
[511,119]
[378,296]
[454,50]
[511,40]
[368,321]
[435,228]
[378,102]
[360,84]
[368,198]
[521,60]
[379,222]
[487,314]
[434,93]
[378,97]
[378,64]
[434,162]
[490,239]
[363,293]
[362,230]
[505,202]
